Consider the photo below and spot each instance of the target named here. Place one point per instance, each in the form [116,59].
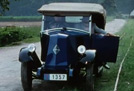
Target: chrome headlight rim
[81,49]
[31,48]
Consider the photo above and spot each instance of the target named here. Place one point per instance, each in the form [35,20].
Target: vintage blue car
[69,48]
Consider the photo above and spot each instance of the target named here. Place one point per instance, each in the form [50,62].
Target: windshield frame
[45,23]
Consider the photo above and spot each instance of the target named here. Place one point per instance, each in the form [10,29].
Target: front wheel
[90,78]
[26,75]
[98,69]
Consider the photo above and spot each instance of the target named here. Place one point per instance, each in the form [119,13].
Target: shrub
[14,34]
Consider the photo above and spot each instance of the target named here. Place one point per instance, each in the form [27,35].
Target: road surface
[10,66]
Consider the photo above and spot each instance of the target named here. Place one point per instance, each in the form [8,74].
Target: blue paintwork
[39,71]
[46,77]
[106,46]
[67,42]
[59,59]
[71,72]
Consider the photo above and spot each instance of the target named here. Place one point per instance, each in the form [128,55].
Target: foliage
[110,6]
[4,5]
[24,8]
[125,6]
[9,35]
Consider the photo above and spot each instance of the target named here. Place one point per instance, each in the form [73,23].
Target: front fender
[24,55]
[89,56]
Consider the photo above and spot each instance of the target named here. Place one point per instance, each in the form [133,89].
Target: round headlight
[32,47]
[81,49]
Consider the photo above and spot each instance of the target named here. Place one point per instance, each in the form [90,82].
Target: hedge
[14,34]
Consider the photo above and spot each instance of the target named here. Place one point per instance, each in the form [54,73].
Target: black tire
[26,75]
[98,69]
[90,78]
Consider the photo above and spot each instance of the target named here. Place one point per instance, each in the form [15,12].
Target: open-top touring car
[68,50]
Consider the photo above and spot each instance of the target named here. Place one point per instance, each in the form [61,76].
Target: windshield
[79,22]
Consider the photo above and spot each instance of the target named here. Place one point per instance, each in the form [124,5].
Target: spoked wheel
[90,78]
[26,75]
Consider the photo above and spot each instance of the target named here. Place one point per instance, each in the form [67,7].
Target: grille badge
[56,49]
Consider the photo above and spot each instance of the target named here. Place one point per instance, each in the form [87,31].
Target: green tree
[110,6]
[4,5]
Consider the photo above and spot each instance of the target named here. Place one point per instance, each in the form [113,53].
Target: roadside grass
[20,18]
[17,35]
[126,81]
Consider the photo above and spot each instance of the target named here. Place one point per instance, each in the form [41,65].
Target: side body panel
[44,45]
[106,47]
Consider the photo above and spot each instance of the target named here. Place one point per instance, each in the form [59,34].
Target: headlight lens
[32,47]
[81,49]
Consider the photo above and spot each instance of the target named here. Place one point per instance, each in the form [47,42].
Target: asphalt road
[10,66]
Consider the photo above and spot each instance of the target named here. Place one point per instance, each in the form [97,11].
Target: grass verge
[126,82]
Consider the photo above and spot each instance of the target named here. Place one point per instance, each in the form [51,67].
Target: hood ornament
[56,49]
